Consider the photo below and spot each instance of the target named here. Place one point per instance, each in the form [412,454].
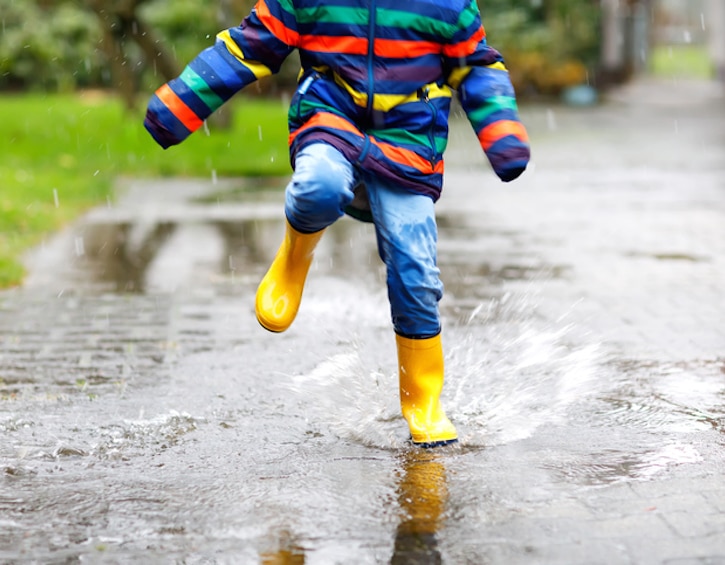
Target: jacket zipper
[431,131]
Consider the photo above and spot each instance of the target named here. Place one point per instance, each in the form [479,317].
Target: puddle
[146,416]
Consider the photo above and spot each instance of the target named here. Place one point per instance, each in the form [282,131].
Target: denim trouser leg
[321,188]
[407,242]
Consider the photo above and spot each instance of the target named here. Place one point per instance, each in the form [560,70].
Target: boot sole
[434,444]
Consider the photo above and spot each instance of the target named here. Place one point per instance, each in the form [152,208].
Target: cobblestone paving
[145,417]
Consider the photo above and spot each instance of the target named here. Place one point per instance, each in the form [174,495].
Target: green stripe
[417,22]
[201,89]
[307,106]
[404,137]
[492,105]
[333,15]
[468,15]
[400,137]
[287,6]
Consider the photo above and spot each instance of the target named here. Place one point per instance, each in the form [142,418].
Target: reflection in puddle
[668,397]
[422,495]
[655,415]
[234,232]
[289,552]
[618,466]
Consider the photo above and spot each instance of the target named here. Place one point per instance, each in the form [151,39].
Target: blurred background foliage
[59,45]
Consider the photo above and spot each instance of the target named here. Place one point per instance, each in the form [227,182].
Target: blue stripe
[190,98]
[166,118]
[223,80]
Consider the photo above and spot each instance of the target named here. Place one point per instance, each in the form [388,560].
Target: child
[368,126]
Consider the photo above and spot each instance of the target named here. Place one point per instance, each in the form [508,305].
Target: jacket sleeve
[478,73]
[240,56]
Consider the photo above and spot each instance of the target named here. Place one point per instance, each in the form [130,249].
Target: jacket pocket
[296,113]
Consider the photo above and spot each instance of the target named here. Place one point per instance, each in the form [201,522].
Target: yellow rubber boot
[280,292]
[420,363]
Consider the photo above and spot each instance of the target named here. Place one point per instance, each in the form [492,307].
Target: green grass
[62,154]
[681,61]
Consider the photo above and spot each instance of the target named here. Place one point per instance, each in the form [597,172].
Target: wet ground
[145,416]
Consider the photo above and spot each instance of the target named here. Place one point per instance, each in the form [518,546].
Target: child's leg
[407,242]
[320,189]
[316,196]
[407,239]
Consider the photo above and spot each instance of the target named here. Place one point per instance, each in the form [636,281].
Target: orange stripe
[279,30]
[326,120]
[465,48]
[395,154]
[183,113]
[498,130]
[401,49]
[407,157]
[334,44]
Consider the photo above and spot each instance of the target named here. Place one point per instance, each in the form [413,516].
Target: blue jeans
[317,195]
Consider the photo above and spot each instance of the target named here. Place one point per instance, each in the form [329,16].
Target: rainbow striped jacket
[376,82]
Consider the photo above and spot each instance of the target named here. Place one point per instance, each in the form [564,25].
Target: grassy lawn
[62,153]
[681,61]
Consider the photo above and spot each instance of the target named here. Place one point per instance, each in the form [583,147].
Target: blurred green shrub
[48,48]
[548,45]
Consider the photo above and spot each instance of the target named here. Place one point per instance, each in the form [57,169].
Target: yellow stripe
[386,102]
[458,75]
[258,69]
[498,66]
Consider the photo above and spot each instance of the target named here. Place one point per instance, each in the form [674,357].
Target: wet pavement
[146,417]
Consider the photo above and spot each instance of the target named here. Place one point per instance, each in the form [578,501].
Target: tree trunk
[120,24]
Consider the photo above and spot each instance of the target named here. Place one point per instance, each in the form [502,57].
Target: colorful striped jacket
[376,82]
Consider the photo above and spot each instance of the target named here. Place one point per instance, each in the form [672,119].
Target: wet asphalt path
[145,417]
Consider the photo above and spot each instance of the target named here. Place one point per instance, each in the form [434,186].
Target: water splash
[355,402]
[509,372]
[160,432]
[507,375]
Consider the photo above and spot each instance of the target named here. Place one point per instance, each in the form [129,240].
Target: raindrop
[206,129]
[213,176]
[702,21]
[80,247]
[259,131]
[55,198]
[551,119]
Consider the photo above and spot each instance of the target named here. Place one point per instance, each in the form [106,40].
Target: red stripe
[279,30]
[408,158]
[402,49]
[498,130]
[465,48]
[183,113]
[334,44]
[326,120]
